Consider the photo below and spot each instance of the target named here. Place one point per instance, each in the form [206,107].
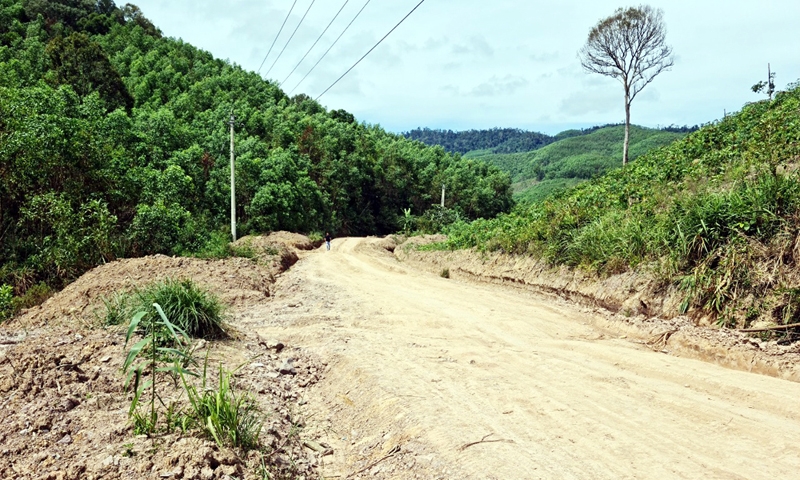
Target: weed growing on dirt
[226,416]
[223,414]
[445,273]
[192,309]
[158,359]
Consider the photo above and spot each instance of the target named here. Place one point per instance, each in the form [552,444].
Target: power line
[290,38]
[276,36]
[315,43]
[371,49]
[329,48]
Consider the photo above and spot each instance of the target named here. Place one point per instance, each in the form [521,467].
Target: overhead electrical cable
[329,48]
[276,36]
[315,42]
[371,49]
[291,37]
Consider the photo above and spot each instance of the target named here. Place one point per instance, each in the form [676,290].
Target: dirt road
[423,366]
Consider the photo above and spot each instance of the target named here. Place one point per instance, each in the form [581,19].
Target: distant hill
[578,155]
[497,140]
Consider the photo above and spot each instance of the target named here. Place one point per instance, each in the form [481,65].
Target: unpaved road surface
[422,366]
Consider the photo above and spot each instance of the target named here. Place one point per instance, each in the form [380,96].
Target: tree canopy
[629,46]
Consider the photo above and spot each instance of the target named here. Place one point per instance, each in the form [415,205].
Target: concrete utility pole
[443,195]
[233,184]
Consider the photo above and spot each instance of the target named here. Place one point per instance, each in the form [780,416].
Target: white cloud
[495,86]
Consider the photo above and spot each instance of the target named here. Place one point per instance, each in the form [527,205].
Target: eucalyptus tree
[629,46]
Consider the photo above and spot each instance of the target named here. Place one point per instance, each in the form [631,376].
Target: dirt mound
[65,412]
[296,240]
[61,388]
[236,281]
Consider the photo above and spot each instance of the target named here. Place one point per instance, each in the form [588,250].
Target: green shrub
[6,304]
[218,245]
[436,219]
[35,295]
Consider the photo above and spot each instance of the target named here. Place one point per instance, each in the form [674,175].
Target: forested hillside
[717,213]
[114,142]
[578,155]
[496,140]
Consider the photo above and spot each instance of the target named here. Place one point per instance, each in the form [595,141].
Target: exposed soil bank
[636,306]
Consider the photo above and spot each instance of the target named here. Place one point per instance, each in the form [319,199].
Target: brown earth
[61,385]
[406,374]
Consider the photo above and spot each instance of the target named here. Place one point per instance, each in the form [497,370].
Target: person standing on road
[328,239]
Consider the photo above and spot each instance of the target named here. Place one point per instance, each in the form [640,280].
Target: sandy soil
[424,367]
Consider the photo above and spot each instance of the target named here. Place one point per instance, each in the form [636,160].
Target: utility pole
[443,195]
[233,183]
[770,81]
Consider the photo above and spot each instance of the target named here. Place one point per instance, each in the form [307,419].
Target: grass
[192,309]
[716,213]
[223,414]
[157,359]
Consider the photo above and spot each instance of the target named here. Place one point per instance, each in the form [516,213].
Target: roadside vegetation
[114,143]
[717,213]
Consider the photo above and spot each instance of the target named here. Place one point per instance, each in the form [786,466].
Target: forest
[498,140]
[114,142]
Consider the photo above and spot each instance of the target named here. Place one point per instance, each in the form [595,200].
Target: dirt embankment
[61,386]
[629,293]
[638,307]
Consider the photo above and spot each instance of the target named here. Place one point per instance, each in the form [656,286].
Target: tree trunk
[627,128]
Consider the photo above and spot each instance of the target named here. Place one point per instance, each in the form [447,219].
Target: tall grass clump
[227,416]
[715,213]
[192,309]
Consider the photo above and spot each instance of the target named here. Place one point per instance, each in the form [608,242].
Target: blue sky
[501,63]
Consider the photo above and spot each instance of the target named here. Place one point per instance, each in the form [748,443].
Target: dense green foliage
[718,212]
[577,155]
[498,140]
[6,305]
[114,142]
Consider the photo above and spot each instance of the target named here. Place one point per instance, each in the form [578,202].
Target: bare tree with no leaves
[629,46]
